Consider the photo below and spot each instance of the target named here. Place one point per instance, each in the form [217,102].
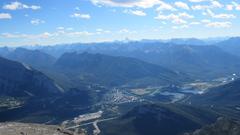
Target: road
[97,130]
[89,123]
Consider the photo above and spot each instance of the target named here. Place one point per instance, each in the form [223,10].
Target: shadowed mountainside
[159,119]
[114,71]
[223,126]
[17,79]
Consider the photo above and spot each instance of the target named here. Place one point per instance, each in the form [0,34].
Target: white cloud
[27,36]
[180,27]
[59,33]
[209,23]
[79,15]
[205,21]
[196,1]
[185,15]
[229,7]
[5,16]
[195,23]
[18,5]
[102,31]
[236,5]
[127,3]
[220,16]
[175,18]
[45,35]
[80,33]
[69,29]
[204,13]
[135,12]
[216,4]
[179,21]
[60,28]
[37,21]
[219,24]
[166,17]
[200,7]
[165,6]
[77,8]
[163,22]
[213,4]
[182,5]
[125,30]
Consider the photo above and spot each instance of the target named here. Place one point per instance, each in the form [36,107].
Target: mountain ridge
[114,69]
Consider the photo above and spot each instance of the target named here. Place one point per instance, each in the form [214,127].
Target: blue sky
[48,22]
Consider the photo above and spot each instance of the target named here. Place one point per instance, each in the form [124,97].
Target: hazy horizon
[126,40]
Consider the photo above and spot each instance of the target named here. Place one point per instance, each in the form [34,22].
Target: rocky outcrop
[33,129]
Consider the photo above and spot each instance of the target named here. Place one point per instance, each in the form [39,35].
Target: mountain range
[201,61]
[231,45]
[115,70]
[52,84]
[34,58]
